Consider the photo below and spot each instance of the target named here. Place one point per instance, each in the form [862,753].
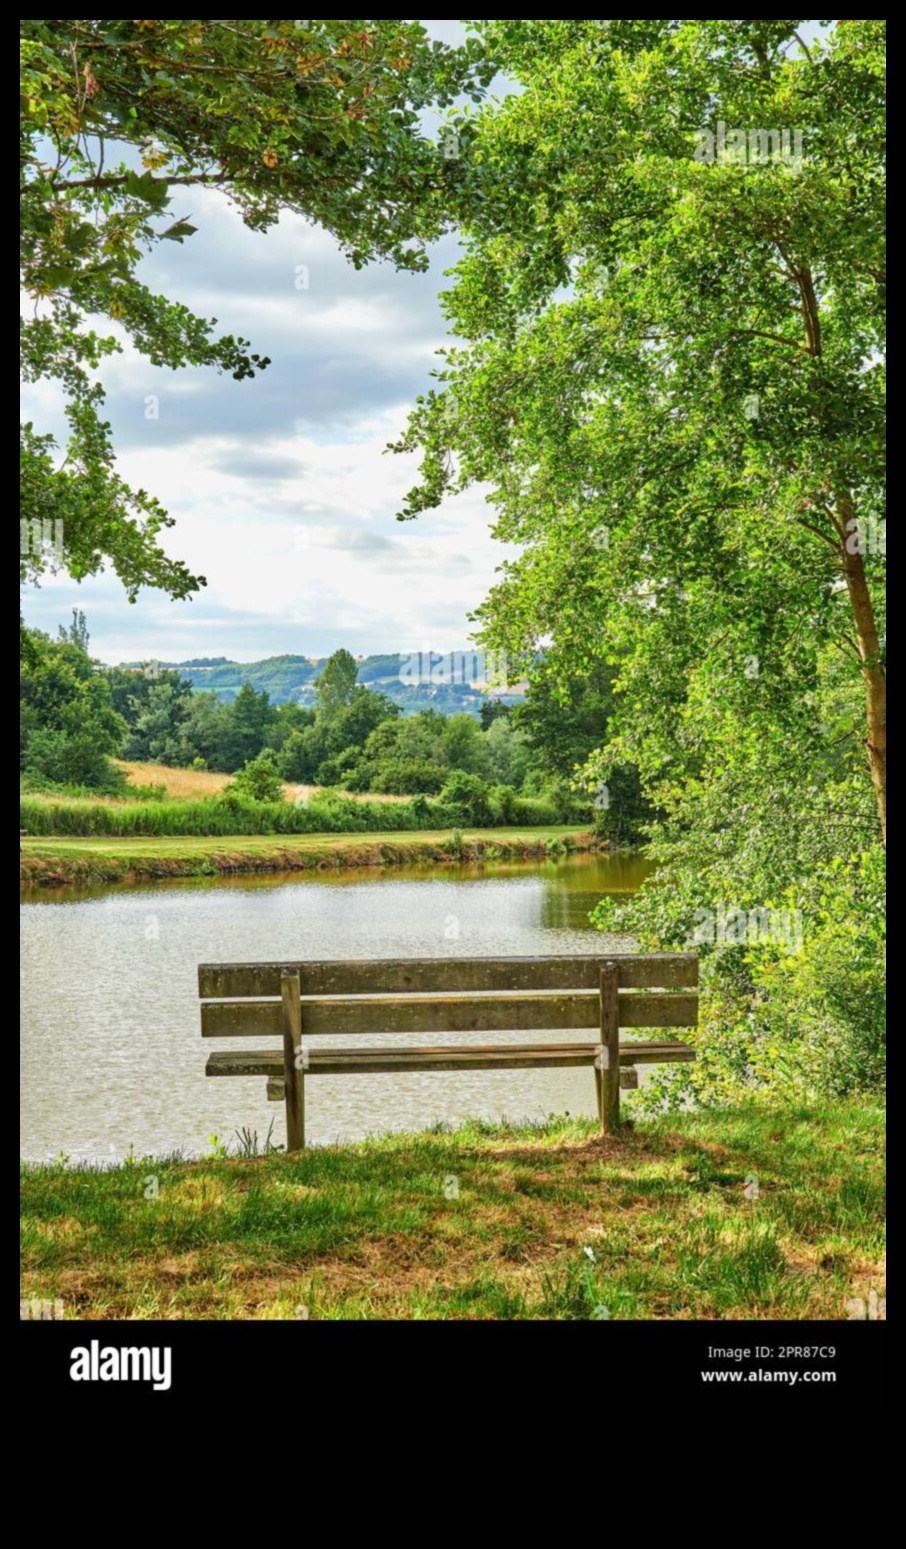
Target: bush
[146,793]
[62,758]
[467,798]
[339,770]
[258,781]
[408,777]
[826,1008]
[789,1019]
[503,803]
[536,813]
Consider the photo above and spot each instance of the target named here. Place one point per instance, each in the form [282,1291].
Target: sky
[283,494]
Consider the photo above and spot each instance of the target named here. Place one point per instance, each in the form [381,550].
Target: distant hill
[411,684]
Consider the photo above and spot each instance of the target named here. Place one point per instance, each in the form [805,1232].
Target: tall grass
[226,817]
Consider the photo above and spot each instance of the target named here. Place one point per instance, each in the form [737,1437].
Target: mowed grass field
[747,1214]
[437,839]
[57,860]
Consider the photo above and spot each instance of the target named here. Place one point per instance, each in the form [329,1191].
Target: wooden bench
[291,1003]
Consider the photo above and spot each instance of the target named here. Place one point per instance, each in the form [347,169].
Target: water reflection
[120,1030]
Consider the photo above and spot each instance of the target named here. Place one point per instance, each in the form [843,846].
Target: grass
[200,784]
[179,784]
[55,861]
[491,1221]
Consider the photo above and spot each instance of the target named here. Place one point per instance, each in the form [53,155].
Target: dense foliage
[324,118]
[512,766]
[671,378]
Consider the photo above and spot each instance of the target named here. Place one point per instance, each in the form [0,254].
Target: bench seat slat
[331,1062]
[235,981]
[356,1015]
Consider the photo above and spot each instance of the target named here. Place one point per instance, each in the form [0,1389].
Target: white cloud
[283,493]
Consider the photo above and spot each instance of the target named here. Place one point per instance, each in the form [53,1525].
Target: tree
[687,444]
[336,685]
[69,728]
[288,718]
[673,383]
[507,753]
[566,714]
[493,710]
[364,713]
[248,724]
[206,730]
[466,797]
[259,780]
[323,118]
[302,754]
[159,730]
[463,744]
[77,632]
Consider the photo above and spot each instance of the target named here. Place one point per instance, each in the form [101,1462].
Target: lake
[110,1050]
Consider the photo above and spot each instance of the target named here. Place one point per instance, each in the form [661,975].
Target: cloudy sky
[283,495]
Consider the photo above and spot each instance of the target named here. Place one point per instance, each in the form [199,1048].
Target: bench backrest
[448,995]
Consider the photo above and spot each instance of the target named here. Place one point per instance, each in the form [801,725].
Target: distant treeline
[292,679]
[513,764]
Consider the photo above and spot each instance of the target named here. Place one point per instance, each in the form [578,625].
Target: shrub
[64,758]
[536,812]
[783,1019]
[227,815]
[467,797]
[503,803]
[408,777]
[339,770]
[258,781]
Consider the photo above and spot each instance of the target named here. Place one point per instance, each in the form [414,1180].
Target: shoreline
[60,862]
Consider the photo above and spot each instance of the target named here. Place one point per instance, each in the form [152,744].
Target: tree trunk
[869,644]
[873,675]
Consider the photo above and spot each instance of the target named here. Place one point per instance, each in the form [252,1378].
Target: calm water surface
[110,1048]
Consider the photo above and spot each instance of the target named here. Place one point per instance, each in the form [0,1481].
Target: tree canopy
[671,379]
[673,308]
[323,118]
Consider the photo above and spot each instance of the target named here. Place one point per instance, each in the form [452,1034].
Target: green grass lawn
[667,1221]
[108,845]
[55,860]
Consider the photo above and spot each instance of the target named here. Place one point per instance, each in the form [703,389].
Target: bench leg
[607,1065]
[293,1071]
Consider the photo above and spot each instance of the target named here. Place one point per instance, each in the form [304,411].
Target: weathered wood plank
[346,1018]
[334,1062]
[235,981]
[629,1078]
[608,1063]
[293,1072]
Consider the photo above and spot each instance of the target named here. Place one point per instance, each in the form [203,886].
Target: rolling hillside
[288,678]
